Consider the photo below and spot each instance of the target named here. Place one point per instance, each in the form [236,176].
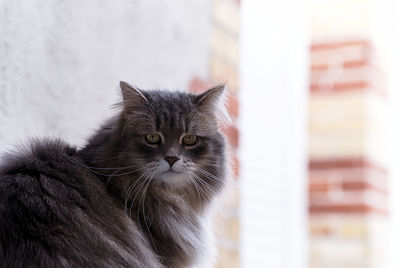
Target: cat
[138,194]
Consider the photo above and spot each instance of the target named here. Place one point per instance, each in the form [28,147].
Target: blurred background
[314,96]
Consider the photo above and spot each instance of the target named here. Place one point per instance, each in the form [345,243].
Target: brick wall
[348,188]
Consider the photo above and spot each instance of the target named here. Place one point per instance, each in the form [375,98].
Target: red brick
[340,55]
[336,45]
[348,174]
[233,106]
[354,64]
[344,163]
[346,209]
[337,174]
[325,186]
[232,134]
[345,65]
[319,67]
[361,185]
[321,230]
[235,165]
[318,187]
[356,85]
[348,179]
[198,85]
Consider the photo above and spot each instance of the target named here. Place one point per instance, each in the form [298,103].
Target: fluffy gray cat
[137,195]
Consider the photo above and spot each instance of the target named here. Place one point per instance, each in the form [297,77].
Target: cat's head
[173,139]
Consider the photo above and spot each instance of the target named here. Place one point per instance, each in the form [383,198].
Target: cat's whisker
[142,183]
[209,175]
[137,182]
[143,209]
[123,174]
[131,188]
[204,187]
[203,192]
[132,201]
[141,203]
[197,190]
[203,184]
[210,165]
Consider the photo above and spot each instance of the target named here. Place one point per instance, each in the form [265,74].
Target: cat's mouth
[171,177]
[170,173]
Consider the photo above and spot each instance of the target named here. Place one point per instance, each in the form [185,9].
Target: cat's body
[50,215]
[117,202]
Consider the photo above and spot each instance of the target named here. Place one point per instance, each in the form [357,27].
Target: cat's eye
[189,140]
[153,138]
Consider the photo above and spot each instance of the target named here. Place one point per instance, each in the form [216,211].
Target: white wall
[387,35]
[61,61]
[274,93]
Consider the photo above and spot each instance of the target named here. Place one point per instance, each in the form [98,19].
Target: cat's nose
[171,159]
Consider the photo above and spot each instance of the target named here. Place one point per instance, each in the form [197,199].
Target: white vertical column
[388,36]
[273,99]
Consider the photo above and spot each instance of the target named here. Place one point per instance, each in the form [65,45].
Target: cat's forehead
[176,113]
[171,100]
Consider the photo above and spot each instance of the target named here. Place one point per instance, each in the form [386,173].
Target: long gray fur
[107,205]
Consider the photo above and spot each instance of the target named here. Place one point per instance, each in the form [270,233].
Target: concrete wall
[61,61]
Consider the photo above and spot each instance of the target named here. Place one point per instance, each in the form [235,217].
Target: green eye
[189,140]
[153,138]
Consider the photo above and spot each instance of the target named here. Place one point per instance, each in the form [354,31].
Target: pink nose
[171,159]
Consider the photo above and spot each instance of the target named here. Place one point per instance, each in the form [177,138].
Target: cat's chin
[173,179]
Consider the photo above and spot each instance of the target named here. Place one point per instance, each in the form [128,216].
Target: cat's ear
[211,98]
[132,97]
[212,102]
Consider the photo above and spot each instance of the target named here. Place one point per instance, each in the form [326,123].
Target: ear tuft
[212,96]
[132,96]
[212,102]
